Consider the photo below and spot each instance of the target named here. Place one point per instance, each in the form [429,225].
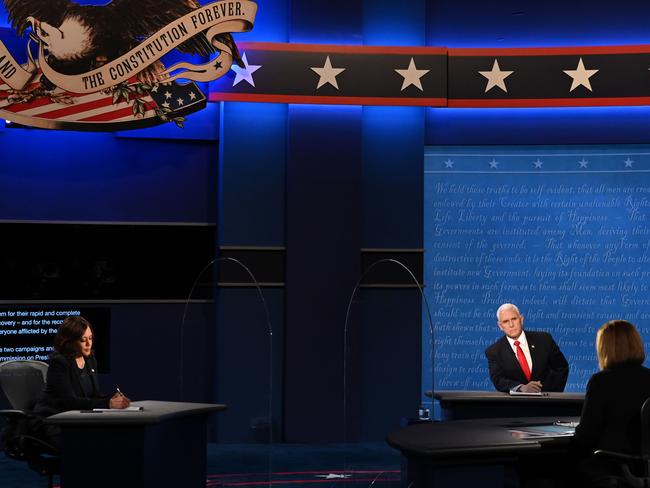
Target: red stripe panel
[552,51]
[251,97]
[335,48]
[551,102]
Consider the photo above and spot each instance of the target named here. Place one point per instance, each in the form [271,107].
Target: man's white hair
[507,306]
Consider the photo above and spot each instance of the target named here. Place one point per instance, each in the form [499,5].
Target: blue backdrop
[559,231]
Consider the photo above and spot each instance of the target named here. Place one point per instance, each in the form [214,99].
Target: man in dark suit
[529,362]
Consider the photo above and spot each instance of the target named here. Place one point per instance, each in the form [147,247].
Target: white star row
[494,164]
[413,76]
[180,101]
[579,76]
[327,74]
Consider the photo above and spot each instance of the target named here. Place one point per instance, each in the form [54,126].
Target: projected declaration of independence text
[563,233]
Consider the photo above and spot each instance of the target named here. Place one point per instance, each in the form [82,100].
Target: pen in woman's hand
[119,391]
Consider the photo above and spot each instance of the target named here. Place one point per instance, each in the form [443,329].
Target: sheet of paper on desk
[127,409]
[538,431]
[526,393]
[567,423]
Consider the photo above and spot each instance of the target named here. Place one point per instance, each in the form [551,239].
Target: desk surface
[499,396]
[469,438]
[153,412]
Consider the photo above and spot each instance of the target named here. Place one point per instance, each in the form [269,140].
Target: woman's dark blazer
[63,390]
[611,412]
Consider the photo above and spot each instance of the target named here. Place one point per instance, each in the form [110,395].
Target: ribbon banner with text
[73,83]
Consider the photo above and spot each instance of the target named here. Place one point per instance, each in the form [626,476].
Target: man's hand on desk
[532,387]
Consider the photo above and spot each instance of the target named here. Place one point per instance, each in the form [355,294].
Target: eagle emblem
[79,54]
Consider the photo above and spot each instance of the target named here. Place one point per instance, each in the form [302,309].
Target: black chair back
[645,429]
[22,382]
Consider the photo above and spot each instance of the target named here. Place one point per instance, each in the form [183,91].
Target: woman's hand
[119,401]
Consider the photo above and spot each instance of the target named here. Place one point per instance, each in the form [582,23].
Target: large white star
[580,76]
[496,77]
[412,76]
[327,74]
[245,73]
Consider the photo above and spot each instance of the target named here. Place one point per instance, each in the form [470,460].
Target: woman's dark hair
[70,332]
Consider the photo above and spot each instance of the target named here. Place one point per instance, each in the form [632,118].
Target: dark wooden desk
[456,405]
[162,446]
[477,452]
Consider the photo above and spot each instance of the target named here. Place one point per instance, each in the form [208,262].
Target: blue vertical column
[323,234]
[389,339]
[250,221]
[323,238]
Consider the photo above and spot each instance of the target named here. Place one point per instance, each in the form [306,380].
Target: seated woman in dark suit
[611,417]
[72,382]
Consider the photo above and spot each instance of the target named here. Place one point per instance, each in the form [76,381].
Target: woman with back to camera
[72,382]
[611,417]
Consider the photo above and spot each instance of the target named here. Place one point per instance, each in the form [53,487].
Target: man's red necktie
[522,360]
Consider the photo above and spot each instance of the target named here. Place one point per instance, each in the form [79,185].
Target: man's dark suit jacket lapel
[537,354]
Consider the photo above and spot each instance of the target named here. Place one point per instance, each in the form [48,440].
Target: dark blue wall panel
[383,27]
[252,174]
[323,241]
[584,125]
[248,364]
[47,175]
[326,22]
[393,138]
[383,387]
[512,23]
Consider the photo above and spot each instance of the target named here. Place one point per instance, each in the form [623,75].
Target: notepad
[127,409]
[528,393]
[546,430]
